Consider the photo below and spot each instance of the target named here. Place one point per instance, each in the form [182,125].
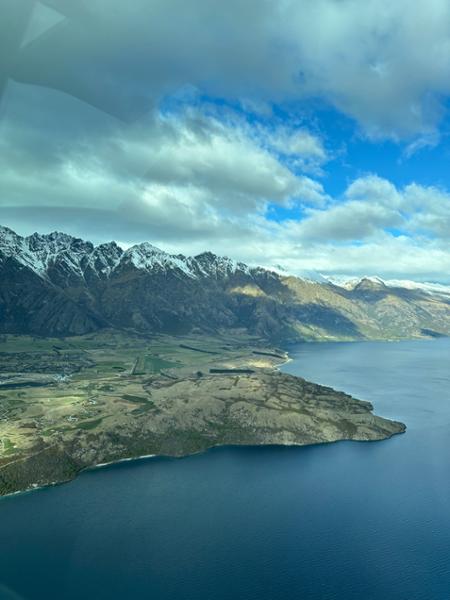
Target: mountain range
[58,285]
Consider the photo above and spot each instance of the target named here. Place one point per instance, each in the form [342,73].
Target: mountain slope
[56,284]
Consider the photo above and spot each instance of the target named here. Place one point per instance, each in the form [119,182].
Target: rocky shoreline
[192,414]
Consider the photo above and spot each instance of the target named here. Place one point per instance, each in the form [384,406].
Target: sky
[311,135]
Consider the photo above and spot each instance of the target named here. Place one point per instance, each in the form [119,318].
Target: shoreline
[180,451]
[99,466]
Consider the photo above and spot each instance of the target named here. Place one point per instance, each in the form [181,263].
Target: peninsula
[68,404]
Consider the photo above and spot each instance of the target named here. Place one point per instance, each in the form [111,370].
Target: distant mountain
[58,285]
[436,289]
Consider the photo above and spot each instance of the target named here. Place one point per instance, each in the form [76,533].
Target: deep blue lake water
[353,521]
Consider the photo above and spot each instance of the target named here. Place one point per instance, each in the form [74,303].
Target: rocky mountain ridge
[44,254]
[56,284]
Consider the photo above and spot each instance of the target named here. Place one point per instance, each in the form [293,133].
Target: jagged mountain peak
[56,241]
[103,259]
[54,236]
[6,232]
[10,240]
[45,254]
[56,284]
[58,256]
[109,247]
[145,248]
[207,255]
[207,264]
[145,256]
[212,264]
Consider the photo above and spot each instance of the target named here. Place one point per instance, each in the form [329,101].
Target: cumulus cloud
[387,256]
[220,157]
[375,228]
[371,206]
[374,190]
[183,174]
[430,211]
[353,220]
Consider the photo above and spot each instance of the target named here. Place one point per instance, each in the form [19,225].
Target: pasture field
[53,388]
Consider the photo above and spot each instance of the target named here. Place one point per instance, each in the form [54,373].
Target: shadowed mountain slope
[56,284]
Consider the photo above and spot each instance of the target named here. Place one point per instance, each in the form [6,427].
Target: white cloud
[172,176]
[429,211]
[429,140]
[386,256]
[375,190]
[298,143]
[381,62]
[372,206]
[384,63]
[351,221]
[352,237]
[202,177]
[299,148]
[220,157]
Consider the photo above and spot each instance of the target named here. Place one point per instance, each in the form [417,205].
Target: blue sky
[310,134]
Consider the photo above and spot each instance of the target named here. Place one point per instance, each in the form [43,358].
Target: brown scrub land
[67,404]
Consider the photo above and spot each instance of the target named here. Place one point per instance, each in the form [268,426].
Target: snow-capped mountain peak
[210,264]
[48,253]
[65,260]
[147,257]
[61,257]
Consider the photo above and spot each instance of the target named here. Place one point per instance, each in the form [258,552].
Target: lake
[352,520]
